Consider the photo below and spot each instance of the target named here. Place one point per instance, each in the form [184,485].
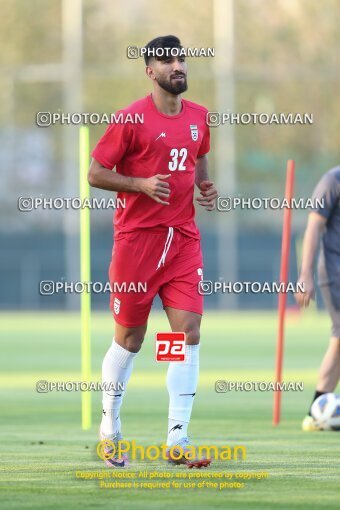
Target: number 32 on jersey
[178,157]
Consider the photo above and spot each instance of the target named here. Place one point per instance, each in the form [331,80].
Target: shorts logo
[200,272]
[170,346]
[116,306]
[194,132]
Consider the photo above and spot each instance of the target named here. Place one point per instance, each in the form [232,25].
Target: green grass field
[42,444]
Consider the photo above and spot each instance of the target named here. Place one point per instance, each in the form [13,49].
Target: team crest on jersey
[116,305]
[194,132]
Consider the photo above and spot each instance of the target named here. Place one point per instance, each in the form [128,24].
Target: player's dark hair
[164,41]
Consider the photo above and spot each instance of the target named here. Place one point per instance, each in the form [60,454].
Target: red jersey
[163,144]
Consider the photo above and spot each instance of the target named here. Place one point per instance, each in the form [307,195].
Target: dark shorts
[164,262]
[331,296]
[330,291]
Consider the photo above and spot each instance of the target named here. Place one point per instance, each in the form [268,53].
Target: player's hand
[209,194]
[157,188]
[303,298]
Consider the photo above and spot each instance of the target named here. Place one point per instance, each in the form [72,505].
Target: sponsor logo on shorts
[170,346]
[116,306]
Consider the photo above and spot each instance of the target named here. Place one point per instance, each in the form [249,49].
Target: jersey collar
[153,107]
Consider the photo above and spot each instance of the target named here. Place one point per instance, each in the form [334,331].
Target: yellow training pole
[85,275]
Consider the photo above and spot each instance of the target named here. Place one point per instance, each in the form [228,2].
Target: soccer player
[156,239]
[324,225]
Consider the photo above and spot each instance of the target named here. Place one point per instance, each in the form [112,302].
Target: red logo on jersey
[170,346]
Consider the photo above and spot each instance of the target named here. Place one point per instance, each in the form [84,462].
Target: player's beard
[172,86]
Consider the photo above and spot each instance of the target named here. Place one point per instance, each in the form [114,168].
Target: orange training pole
[284,270]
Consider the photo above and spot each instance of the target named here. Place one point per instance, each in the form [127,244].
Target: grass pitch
[42,445]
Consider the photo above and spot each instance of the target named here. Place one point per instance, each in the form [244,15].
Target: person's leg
[182,377]
[130,312]
[116,371]
[329,373]
[330,367]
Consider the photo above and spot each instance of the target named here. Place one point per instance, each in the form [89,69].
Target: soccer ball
[326,411]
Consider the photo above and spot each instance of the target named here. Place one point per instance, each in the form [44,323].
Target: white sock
[182,379]
[116,368]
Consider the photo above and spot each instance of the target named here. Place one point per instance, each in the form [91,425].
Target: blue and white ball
[326,411]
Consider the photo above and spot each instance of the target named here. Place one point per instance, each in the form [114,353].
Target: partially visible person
[323,231]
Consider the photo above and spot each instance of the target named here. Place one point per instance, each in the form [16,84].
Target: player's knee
[131,343]
[192,335]
[130,339]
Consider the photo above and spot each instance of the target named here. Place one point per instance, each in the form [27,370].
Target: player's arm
[311,241]
[207,188]
[155,187]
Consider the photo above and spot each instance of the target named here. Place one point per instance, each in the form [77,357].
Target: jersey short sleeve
[327,191]
[205,144]
[113,145]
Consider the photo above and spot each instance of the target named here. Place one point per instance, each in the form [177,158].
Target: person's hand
[208,195]
[303,298]
[156,187]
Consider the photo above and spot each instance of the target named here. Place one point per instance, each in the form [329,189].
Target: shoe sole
[197,463]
